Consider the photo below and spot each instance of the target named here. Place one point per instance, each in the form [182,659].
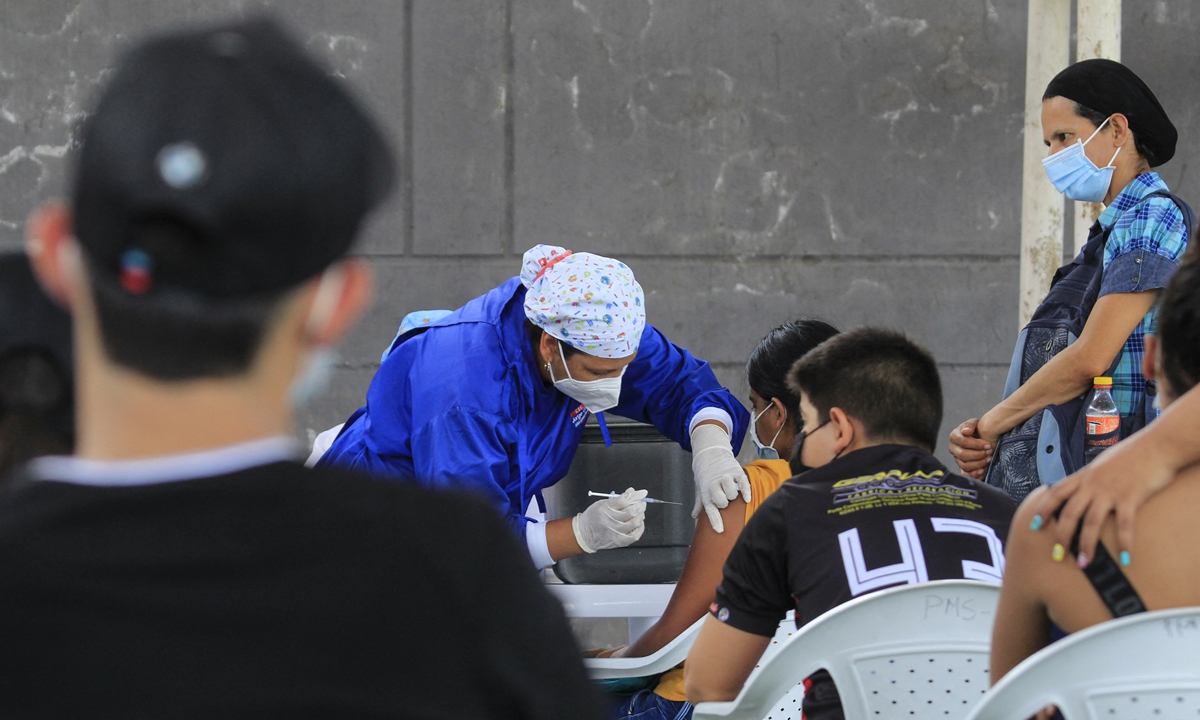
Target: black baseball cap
[224,161]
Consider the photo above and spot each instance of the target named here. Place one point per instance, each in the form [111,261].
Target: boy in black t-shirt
[876,510]
[184,563]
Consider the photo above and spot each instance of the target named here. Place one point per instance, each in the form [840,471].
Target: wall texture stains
[857,160]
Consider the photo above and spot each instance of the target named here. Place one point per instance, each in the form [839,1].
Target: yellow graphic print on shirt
[896,488]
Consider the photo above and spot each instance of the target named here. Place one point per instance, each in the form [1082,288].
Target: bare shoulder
[1022,530]
[1028,552]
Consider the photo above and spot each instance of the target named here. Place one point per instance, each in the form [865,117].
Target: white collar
[166,468]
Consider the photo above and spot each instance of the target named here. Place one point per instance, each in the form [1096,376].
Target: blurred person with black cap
[36,397]
[1105,131]
[184,563]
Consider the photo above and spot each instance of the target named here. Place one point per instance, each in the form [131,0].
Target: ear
[336,301]
[785,416]
[1150,357]
[845,429]
[54,253]
[1120,127]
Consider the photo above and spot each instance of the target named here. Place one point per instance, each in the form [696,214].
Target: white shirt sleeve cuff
[539,549]
[711,413]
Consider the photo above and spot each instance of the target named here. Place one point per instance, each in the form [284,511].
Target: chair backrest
[1143,666]
[667,657]
[787,707]
[912,651]
[675,652]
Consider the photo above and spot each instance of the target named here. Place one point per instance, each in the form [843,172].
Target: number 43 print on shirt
[912,566]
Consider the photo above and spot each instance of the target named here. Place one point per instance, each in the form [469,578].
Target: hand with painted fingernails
[1116,483]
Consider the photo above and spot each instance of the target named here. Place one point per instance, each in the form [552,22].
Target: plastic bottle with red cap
[1103,420]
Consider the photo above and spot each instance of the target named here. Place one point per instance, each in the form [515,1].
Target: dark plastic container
[642,458]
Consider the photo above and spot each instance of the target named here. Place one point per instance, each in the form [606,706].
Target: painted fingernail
[1081,560]
[1037,523]
[1058,553]
[1125,558]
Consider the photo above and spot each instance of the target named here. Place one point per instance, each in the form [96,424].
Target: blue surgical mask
[1076,176]
[768,451]
[313,378]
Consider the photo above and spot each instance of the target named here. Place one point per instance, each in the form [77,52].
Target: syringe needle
[592,493]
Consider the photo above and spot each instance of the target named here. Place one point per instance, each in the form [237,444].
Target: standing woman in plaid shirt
[1105,130]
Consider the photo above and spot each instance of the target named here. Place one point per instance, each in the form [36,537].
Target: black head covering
[1109,87]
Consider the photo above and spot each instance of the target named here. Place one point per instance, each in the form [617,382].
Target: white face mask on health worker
[1076,176]
[316,370]
[596,395]
[767,451]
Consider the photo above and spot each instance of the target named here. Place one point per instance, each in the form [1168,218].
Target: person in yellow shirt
[775,420]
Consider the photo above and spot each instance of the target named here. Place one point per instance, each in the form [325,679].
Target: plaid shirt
[1141,254]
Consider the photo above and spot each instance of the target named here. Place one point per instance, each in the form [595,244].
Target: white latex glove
[322,444]
[611,523]
[719,477]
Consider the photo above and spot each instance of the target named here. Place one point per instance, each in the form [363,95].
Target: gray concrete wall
[753,161]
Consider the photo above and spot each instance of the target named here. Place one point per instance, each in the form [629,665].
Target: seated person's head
[1173,354]
[221,180]
[866,387]
[36,395]
[775,407]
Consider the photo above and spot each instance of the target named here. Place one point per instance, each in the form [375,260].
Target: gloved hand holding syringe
[592,493]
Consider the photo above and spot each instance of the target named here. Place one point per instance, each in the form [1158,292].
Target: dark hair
[1096,118]
[535,337]
[774,356]
[36,408]
[878,377]
[1179,327]
[181,335]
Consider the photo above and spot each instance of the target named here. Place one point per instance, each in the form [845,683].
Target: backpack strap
[1091,254]
[1093,251]
[1189,217]
[1110,582]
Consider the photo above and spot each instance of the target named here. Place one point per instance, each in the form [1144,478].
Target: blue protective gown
[460,405]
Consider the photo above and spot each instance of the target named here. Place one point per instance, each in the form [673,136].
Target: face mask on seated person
[596,395]
[797,463]
[1076,176]
[768,451]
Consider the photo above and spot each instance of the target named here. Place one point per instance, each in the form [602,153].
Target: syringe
[592,493]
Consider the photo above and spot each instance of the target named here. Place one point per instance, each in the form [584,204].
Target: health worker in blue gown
[493,398]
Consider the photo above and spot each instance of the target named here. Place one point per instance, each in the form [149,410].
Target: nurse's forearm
[560,538]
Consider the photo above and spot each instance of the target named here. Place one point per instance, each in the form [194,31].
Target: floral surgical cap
[590,302]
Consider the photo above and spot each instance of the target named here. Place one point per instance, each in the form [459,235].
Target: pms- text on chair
[1141,666]
[912,651]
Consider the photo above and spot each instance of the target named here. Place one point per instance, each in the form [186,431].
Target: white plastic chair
[667,657]
[789,705]
[1141,666]
[670,655]
[913,651]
